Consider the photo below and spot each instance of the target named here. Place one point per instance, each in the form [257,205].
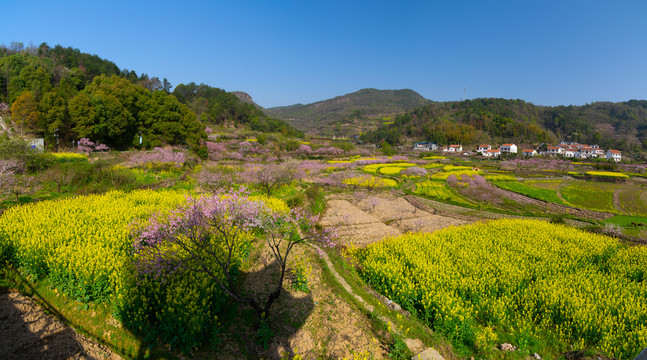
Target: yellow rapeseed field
[519,278]
[80,243]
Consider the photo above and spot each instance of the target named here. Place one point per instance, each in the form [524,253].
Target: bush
[17,149]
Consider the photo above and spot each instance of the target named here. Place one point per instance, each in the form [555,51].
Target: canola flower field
[80,243]
[439,190]
[371,182]
[524,279]
[84,245]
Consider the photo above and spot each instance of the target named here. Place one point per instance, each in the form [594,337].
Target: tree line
[612,125]
[65,94]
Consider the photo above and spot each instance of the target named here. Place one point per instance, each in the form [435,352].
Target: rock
[536,356]
[415,345]
[507,347]
[393,305]
[429,354]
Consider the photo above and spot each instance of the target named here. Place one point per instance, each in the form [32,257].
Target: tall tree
[24,113]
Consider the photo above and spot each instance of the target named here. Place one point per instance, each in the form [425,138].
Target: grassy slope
[321,116]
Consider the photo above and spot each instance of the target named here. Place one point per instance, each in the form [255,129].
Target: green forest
[66,94]
[611,125]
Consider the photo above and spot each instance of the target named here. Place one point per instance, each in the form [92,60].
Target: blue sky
[287,52]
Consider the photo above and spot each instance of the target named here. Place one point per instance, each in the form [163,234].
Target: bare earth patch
[373,218]
[27,332]
[314,324]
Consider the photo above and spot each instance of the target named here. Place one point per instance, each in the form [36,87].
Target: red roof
[528,150]
[507,144]
[614,151]
[553,147]
[482,145]
[493,150]
[454,146]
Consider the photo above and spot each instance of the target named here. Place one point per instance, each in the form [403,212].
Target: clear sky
[287,52]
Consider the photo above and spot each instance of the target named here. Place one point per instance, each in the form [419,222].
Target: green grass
[93,320]
[631,201]
[625,220]
[530,191]
[590,195]
[544,184]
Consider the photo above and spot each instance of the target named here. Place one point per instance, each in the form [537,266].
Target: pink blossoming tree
[209,234]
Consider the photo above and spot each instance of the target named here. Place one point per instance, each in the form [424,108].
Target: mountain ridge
[321,116]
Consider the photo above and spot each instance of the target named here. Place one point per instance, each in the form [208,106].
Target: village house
[508,148]
[553,150]
[614,155]
[483,148]
[529,152]
[425,146]
[453,148]
[492,152]
[587,152]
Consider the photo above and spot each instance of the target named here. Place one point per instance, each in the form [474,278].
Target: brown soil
[366,219]
[314,324]
[27,332]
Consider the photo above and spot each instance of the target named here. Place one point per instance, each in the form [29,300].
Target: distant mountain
[352,113]
[611,125]
[246,98]
[215,106]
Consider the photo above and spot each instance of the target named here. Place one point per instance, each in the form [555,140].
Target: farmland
[76,223]
[527,280]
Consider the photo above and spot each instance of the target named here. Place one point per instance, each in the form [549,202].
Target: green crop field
[590,195]
[631,201]
[528,189]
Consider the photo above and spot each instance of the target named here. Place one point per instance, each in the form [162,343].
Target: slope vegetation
[361,107]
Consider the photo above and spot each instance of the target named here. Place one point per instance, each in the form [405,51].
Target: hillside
[350,114]
[62,94]
[611,125]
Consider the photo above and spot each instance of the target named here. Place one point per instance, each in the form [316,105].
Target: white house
[483,148]
[554,150]
[508,148]
[36,144]
[587,152]
[599,152]
[425,146]
[614,154]
[529,152]
[492,152]
[571,152]
[453,148]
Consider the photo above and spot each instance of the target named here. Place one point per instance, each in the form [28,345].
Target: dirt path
[27,332]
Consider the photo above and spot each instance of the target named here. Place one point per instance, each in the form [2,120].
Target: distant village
[565,149]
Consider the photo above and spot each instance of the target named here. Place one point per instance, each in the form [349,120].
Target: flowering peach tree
[212,234]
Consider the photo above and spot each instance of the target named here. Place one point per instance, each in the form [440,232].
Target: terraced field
[590,195]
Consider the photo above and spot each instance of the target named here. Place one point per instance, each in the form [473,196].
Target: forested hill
[355,110]
[611,125]
[219,107]
[47,91]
